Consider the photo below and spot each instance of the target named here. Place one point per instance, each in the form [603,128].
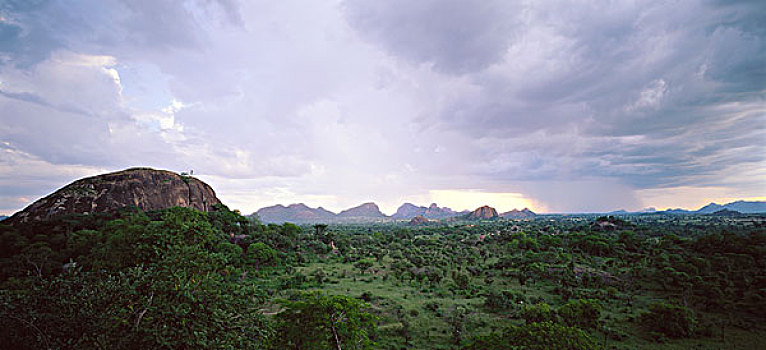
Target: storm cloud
[583,106]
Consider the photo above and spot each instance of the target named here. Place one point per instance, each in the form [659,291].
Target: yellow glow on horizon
[472,199]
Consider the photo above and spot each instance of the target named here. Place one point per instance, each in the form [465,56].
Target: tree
[457,324]
[671,320]
[535,336]
[581,313]
[538,313]
[169,290]
[363,265]
[319,321]
[260,254]
[320,228]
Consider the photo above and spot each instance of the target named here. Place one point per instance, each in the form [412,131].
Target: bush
[583,313]
[538,313]
[319,321]
[535,336]
[671,320]
[504,300]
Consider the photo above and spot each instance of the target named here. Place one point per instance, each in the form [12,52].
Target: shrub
[583,313]
[671,320]
[538,313]
[535,336]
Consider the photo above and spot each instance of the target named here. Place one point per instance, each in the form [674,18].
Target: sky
[559,106]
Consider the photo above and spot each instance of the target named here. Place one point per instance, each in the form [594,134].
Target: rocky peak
[485,212]
[296,213]
[366,210]
[145,188]
[408,210]
[433,211]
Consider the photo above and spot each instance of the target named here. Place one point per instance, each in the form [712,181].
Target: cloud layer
[572,107]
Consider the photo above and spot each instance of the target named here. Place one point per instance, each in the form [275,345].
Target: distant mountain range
[370,212]
[745,207]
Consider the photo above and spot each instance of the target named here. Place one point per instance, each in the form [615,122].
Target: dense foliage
[180,278]
[315,321]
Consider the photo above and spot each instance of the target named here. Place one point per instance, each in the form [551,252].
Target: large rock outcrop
[145,188]
[483,213]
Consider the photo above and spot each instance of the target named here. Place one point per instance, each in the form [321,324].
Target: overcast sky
[560,106]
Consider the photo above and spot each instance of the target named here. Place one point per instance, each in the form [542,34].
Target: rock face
[483,213]
[519,214]
[145,188]
[295,213]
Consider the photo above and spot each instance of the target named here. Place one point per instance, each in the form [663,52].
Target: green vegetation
[179,278]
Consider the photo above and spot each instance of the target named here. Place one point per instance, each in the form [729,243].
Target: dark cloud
[457,36]
[612,72]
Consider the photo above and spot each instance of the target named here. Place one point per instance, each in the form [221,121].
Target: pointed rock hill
[483,213]
[146,188]
[366,210]
[295,213]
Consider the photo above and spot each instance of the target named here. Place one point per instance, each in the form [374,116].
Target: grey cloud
[457,36]
[32,98]
[35,29]
[703,57]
